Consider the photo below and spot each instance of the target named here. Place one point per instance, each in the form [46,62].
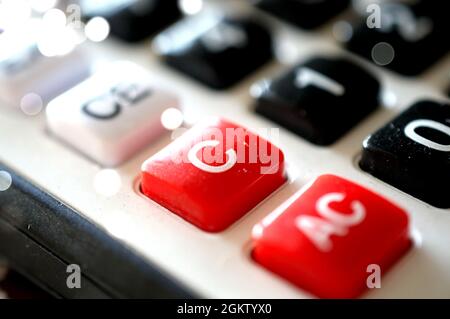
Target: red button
[213,174]
[332,238]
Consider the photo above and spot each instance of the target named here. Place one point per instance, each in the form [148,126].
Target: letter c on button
[192,156]
[338,218]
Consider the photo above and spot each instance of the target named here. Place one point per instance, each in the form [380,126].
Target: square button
[213,174]
[320,99]
[412,152]
[330,236]
[408,38]
[133,20]
[217,51]
[111,115]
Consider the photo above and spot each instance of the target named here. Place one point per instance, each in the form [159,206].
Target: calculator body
[129,246]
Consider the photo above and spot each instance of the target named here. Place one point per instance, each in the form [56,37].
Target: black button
[134,20]
[406,39]
[412,153]
[306,14]
[321,99]
[218,52]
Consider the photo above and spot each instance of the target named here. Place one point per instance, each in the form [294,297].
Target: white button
[24,70]
[111,115]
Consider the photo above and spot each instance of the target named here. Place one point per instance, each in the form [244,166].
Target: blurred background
[15,286]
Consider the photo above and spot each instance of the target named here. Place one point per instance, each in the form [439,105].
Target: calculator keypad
[111,115]
[320,99]
[412,152]
[327,239]
[330,234]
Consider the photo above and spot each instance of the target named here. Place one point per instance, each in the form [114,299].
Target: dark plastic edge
[40,236]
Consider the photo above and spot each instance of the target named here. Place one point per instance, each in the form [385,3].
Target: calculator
[226,149]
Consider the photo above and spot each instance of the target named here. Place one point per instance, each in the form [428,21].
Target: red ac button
[325,240]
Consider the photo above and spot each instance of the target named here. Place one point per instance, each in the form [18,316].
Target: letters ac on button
[213,174]
[325,240]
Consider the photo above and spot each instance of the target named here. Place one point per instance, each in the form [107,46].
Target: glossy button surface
[406,37]
[112,115]
[412,152]
[320,99]
[133,20]
[306,14]
[217,51]
[330,236]
[24,70]
[213,174]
